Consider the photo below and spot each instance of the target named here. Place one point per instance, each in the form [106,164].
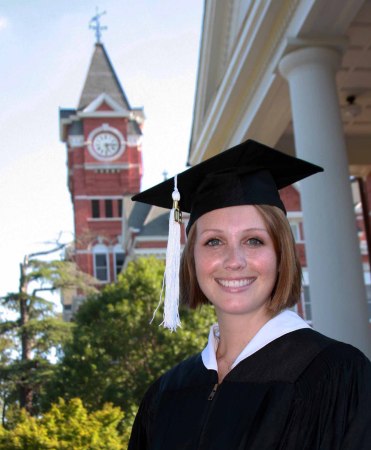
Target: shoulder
[189,372]
[323,358]
[308,347]
[337,359]
[318,363]
[297,353]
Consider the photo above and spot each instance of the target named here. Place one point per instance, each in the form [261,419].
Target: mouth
[234,284]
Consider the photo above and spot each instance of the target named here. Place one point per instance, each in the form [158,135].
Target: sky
[45,51]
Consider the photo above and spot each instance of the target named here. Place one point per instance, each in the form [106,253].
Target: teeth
[235,283]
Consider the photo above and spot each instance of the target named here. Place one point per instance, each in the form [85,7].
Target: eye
[213,242]
[254,242]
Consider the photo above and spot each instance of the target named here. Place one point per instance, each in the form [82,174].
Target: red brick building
[103,137]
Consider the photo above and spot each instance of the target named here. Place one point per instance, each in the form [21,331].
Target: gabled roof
[101,78]
[104,98]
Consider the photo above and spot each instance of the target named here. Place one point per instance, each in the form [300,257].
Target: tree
[7,387]
[33,326]
[115,353]
[65,426]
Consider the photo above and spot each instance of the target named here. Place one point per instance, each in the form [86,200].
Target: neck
[235,333]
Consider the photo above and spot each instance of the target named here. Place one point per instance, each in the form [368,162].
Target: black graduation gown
[302,391]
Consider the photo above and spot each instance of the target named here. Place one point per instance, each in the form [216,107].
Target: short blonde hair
[287,290]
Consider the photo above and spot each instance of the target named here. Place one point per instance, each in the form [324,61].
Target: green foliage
[115,353]
[66,426]
[33,329]
[60,274]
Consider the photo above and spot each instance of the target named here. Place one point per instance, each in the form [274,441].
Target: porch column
[337,291]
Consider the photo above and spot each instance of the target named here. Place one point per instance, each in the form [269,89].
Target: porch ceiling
[266,115]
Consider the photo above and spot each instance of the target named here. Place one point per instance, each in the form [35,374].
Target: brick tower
[103,140]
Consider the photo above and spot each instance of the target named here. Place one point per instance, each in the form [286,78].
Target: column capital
[307,55]
[339,43]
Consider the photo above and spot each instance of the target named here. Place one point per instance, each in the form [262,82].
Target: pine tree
[32,328]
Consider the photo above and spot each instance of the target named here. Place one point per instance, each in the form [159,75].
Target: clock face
[106,144]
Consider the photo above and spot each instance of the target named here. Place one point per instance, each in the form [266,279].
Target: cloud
[3,23]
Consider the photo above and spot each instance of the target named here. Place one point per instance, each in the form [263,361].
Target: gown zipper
[205,419]
[213,392]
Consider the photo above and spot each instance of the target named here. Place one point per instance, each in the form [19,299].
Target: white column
[337,290]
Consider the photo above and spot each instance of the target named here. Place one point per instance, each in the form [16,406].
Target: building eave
[250,99]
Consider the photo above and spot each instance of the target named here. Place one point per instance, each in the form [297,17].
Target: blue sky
[45,51]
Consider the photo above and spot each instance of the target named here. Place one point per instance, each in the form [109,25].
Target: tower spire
[95,25]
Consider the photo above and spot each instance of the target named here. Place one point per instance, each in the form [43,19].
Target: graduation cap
[250,173]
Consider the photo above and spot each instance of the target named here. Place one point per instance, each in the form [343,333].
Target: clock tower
[103,136]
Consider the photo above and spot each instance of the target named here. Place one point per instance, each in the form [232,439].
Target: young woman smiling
[236,269]
[265,380]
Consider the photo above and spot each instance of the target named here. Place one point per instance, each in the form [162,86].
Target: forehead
[233,217]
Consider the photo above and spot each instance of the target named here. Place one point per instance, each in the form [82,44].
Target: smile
[235,283]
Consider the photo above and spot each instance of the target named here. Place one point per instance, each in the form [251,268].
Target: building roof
[101,77]
[157,227]
[138,215]
[65,113]
[149,220]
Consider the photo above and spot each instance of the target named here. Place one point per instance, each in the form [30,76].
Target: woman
[266,380]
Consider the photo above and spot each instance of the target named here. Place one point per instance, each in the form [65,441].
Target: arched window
[119,259]
[101,262]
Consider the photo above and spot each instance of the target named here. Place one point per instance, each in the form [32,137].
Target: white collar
[285,322]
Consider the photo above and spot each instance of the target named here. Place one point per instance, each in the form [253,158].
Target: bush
[66,426]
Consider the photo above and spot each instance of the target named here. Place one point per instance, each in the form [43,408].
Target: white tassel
[171,276]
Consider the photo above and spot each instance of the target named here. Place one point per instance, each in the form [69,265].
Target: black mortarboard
[247,174]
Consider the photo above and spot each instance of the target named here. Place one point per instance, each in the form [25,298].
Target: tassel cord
[170,283]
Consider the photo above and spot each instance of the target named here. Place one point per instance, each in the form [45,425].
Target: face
[235,260]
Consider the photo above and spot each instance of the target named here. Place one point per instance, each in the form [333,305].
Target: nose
[235,258]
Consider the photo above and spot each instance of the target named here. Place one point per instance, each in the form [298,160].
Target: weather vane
[95,25]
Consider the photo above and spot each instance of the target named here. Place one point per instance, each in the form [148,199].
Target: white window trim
[295,225]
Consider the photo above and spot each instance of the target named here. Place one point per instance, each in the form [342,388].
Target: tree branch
[45,252]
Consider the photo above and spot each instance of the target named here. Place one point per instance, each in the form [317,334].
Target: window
[101,262]
[108,208]
[119,262]
[101,266]
[95,209]
[119,207]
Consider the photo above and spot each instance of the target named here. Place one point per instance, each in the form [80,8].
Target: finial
[95,25]
[165,174]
